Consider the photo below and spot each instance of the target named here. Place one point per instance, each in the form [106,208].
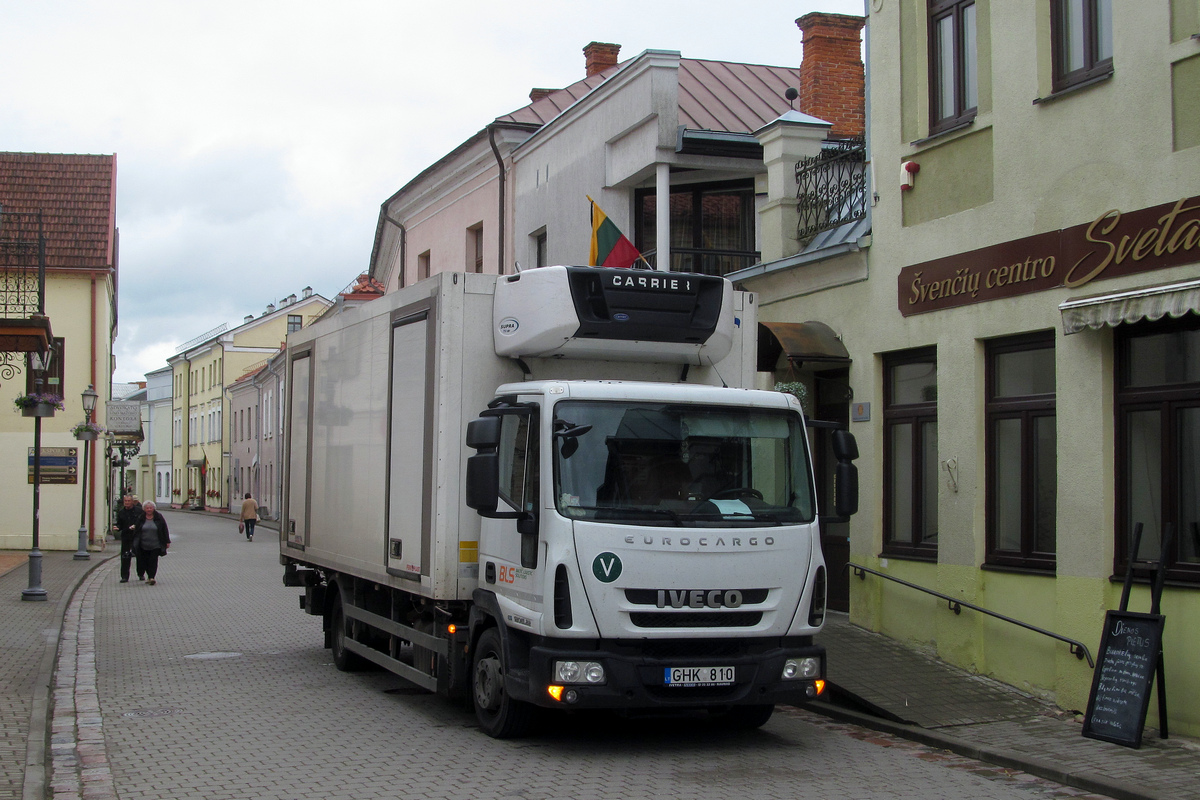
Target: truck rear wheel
[499,715]
[343,659]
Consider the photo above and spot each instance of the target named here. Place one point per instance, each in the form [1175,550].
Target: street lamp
[89,405]
[39,362]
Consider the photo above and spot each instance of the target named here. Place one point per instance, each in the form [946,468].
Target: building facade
[70,202]
[202,474]
[1024,374]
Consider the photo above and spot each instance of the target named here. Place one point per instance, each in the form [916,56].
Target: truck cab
[650,546]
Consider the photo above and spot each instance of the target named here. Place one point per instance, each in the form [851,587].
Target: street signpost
[59,465]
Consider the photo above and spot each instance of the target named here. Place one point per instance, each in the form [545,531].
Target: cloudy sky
[256,139]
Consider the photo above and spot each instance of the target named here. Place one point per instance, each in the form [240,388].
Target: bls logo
[507,574]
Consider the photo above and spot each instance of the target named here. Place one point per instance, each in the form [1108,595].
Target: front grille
[649,597]
[716,619]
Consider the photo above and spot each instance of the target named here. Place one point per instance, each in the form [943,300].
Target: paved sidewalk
[906,693]
[29,637]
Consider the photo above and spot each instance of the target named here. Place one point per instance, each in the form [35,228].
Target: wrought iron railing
[832,186]
[22,258]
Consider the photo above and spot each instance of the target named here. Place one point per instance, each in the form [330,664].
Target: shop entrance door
[832,404]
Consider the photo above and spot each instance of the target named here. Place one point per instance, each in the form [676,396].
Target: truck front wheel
[499,715]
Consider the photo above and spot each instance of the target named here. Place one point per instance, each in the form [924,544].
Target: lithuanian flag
[610,248]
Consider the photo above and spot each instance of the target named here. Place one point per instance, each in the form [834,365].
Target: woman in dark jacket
[151,540]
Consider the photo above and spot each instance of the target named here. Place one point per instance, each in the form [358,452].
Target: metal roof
[713,95]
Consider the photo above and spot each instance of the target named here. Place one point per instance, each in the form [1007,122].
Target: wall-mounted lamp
[908,171]
[40,361]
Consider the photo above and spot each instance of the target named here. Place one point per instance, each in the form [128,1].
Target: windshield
[662,464]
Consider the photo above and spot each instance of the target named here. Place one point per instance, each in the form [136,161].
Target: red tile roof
[76,195]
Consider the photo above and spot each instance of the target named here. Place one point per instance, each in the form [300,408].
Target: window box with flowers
[175,493]
[38,405]
[87,431]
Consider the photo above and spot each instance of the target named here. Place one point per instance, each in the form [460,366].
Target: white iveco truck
[553,489]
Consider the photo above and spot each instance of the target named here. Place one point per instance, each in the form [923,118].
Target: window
[294,323]
[910,513]
[1081,32]
[1158,443]
[519,475]
[953,80]
[475,248]
[423,266]
[1022,463]
[712,227]
[519,462]
[539,250]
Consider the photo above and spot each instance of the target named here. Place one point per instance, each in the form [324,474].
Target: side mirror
[484,433]
[483,480]
[845,489]
[845,446]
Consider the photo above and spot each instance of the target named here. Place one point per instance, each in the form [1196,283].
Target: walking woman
[151,540]
[249,516]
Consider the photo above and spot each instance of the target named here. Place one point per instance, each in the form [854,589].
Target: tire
[747,718]
[499,715]
[343,659]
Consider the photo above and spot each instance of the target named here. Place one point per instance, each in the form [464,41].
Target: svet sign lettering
[1112,245]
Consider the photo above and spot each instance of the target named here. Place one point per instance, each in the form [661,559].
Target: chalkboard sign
[1125,666]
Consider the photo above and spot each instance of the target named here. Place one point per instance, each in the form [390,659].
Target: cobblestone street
[213,684]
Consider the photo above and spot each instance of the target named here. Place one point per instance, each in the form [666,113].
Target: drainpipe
[491,129]
[92,455]
[403,245]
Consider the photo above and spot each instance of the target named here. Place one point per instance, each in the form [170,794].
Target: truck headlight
[579,672]
[801,669]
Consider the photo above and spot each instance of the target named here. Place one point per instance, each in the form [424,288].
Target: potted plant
[38,405]
[795,389]
[87,431]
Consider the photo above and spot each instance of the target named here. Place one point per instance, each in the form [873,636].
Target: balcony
[831,187]
[23,325]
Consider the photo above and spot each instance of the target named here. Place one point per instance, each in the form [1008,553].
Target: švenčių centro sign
[1110,246]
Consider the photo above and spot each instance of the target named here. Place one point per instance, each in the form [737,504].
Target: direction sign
[59,465]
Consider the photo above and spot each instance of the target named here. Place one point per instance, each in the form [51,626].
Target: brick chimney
[831,74]
[599,56]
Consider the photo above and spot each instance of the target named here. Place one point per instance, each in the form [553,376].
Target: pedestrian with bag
[249,517]
[128,516]
[151,542]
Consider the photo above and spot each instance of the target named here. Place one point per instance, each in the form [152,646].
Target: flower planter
[38,410]
[87,436]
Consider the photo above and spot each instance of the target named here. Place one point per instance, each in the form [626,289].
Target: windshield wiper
[631,512]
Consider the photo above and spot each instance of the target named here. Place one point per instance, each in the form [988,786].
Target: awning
[1133,305]
[801,342]
[196,462]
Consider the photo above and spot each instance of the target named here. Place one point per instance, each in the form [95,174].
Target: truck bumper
[637,679]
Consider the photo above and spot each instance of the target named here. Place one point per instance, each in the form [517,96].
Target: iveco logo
[699,598]
[621,317]
[508,326]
